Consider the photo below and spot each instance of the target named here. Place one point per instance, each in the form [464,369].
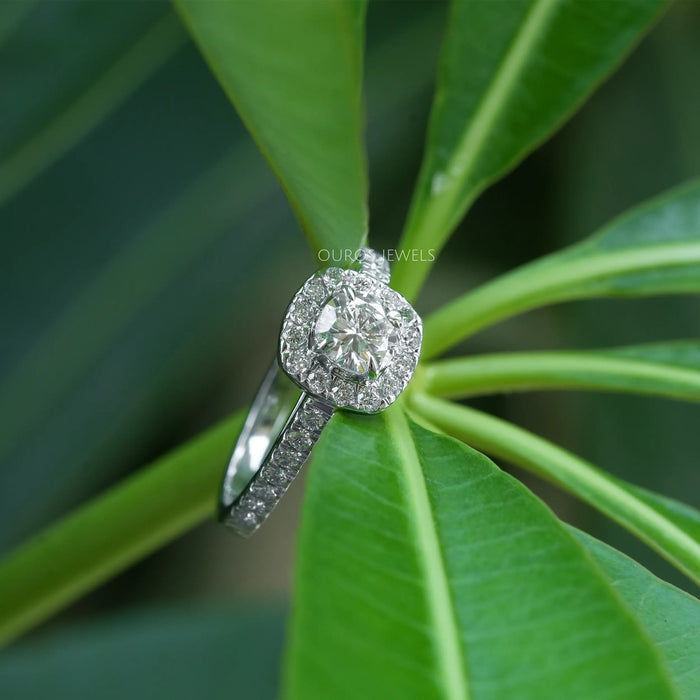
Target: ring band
[268,455]
[347,341]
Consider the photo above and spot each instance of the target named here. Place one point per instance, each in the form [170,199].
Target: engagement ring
[347,342]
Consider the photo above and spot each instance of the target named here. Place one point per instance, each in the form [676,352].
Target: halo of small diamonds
[392,346]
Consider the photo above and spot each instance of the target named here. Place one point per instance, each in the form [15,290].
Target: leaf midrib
[473,140]
[438,594]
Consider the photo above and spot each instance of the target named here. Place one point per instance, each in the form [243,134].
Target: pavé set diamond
[287,456]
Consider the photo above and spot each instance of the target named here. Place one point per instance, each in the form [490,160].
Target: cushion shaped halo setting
[350,339]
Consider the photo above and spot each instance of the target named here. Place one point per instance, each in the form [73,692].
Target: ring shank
[269,412]
[282,427]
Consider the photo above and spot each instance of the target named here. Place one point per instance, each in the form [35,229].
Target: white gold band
[277,437]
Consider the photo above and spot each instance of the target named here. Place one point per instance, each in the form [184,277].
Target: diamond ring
[348,342]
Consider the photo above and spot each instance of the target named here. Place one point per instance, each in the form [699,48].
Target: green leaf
[661,369]
[671,528]
[654,249]
[113,531]
[294,72]
[670,616]
[409,547]
[510,74]
[179,654]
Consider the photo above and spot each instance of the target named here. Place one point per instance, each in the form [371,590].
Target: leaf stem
[520,371]
[608,494]
[558,277]
[113,531]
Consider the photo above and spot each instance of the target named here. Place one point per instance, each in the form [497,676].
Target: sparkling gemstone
[368,401]
[363,284]
[411,336]
[333,277]
[303,312]
[276,486]
[309,419]
[392,385]
[250,502]
[374,264]
[295,338]
[404,366]
[355,333]
[279,477]
[260,491]
[295,362]
[298,440]
[249,519]
[285,455]
[316,290]
[344,393]
[317,380]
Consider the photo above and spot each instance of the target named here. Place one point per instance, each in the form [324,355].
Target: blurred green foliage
[213,652]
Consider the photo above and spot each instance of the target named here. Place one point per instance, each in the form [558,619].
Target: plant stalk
[478,375]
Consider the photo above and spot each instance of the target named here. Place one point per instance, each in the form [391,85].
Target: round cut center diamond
[354,332]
